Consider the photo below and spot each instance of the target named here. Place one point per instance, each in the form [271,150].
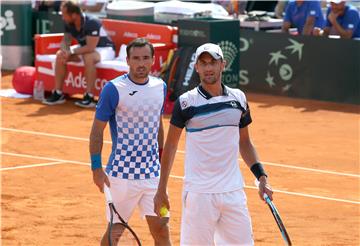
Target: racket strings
[122,231]
[127,238]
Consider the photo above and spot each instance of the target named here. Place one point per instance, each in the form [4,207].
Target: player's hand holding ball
[164,211]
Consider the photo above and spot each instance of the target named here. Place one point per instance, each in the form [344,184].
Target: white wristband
[72,51]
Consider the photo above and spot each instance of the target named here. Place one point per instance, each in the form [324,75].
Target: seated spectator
[306,16]
[342,19]
[94,46]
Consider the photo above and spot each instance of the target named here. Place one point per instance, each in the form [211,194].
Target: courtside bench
[121,32]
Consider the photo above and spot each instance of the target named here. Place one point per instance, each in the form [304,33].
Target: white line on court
[33,165]
[310,169]
[48,134]
[307,195]
[179,177]
[183,152]
[44,158]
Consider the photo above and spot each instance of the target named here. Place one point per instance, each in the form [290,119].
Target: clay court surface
[310,150]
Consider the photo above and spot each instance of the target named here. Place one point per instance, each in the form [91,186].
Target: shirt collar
[128,76]
[207,95]
[82,22]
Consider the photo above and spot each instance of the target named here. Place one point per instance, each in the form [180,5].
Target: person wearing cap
[342,19]
[306,16]
[216,119]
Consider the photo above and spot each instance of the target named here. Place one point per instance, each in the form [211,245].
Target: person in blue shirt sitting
[306,16]
[342,19]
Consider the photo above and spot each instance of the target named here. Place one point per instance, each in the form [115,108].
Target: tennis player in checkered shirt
[216,118]
[132,104]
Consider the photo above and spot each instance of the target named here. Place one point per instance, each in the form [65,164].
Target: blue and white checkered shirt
[133,111]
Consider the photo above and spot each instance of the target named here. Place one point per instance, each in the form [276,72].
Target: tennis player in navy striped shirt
[216,119]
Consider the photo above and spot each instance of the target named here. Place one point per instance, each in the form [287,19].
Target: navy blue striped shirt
[90,27]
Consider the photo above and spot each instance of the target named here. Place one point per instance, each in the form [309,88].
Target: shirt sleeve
[108,101]
[177,118]
[314,8]
[287,16]
[315,11]
[351,20]
[93,28]
[245,119]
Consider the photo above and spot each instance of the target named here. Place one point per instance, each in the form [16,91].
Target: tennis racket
[278,220]
[277,217]
[127,235]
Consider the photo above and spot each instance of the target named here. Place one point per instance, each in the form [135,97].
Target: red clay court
[309,148]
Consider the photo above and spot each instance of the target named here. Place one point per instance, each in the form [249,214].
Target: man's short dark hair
[71,7]
[139,42]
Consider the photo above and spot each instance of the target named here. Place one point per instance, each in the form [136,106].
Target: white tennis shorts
[128,194]
[106,53]
[215,219]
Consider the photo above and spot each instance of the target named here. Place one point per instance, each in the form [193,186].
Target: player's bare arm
[286,26]
[65,47]
[91,43]
[342,32]
[66,42]
[250,156]
[247,149]
[161,198]
[96,143]
[161,133]
[326,31]
[309,25]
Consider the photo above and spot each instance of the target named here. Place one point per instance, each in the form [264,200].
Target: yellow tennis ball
[163,211]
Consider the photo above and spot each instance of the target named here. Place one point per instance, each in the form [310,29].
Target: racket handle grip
[107,193]
[266,197]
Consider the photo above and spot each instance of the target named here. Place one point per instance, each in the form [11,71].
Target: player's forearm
[251,159]
[95,147]
[309,25]
[248,153]
[161,135]
[66,42]
[168,156]
[325,32]
[342,32]
[166,166]
[286,26]
[96,142]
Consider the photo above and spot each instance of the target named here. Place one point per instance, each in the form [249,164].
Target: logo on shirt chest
[232,104]
[132,93]
[183,104]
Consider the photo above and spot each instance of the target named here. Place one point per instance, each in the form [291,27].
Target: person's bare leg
[90,60]
[159,229]
[60,70]
[117,230]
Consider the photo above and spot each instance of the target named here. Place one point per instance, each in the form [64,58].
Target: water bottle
[38,93]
